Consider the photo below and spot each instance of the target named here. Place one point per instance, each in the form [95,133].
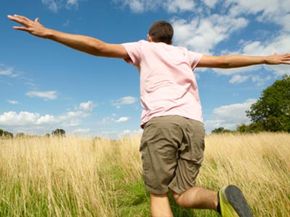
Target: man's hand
[30,26]
[278,59]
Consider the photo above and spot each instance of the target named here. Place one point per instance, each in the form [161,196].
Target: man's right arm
[79,42]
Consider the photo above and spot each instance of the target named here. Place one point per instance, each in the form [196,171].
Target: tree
[5,134]
[58,132]
[221,130]
[20,135]
[272,110]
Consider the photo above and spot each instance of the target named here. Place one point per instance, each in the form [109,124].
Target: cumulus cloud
[81,131]
[122,119]
[114,119]
[7,71]
[72,2]
[204,34]
[210,3]
[56,5]
[12,102]
[46,95]
[87,106]
[33,120]
[175,6]
[267,10]
[52,5]
[236,79]
[126,100]
[128,132]
[22,118]
[229,116]
[171,6]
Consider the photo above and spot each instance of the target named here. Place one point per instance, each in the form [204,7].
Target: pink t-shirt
[167,83]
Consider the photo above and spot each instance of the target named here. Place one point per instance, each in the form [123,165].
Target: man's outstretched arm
[79,42]
[235,61]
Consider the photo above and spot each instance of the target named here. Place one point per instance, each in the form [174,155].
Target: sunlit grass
[74,176]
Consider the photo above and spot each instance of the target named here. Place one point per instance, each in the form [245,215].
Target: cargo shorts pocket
[192,147]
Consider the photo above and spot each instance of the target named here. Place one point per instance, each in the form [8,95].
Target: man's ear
[149,38]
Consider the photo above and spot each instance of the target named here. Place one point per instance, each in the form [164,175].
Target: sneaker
[233,203]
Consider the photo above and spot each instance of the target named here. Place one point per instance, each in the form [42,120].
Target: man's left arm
[235,61]
[82,43]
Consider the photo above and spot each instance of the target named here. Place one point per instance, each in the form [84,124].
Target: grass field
[85,177]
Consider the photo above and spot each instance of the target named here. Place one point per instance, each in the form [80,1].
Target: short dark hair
[161,31]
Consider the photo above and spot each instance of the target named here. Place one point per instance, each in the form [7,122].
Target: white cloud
[171,6]
[81,131]
[229,116]
[128,132]
[243,74]
[72,2]
[35,121]
[210,3]
[280,44]
[122,119]
[7,71]
[236,79]
[46,119]
[52,5]
[22,118]
[267,10]
[126,100]
[46,95]
[175,6]
[87,106]
[13,102]
[203,34]
[56,5]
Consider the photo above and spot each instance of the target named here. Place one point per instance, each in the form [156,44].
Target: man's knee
[176,197]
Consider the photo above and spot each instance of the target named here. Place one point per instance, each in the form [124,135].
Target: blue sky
[45,85]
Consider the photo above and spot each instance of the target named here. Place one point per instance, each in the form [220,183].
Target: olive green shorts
[172,152]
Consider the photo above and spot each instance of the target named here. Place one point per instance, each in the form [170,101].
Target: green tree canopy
[5,134]
[58,132]
[221,130]
[272,110]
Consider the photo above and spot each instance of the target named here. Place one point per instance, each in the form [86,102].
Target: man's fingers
[286,57]
[22,17]
[19,20]
[22,28]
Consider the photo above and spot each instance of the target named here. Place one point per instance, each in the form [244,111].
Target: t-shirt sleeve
[134,51]
[194,58]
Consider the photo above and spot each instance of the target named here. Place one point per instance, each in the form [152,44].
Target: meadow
[83,177]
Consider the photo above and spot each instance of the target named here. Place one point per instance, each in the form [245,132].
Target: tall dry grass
[97,177]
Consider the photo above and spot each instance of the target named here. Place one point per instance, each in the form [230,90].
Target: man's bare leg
[160,206]
[197,197]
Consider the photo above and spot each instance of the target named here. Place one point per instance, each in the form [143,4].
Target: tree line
[8,135]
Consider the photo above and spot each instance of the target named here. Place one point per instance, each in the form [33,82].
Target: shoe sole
[236,198]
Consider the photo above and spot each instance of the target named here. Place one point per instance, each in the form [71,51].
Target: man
[172,144]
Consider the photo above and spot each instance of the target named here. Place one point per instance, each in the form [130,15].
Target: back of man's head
[161,31]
